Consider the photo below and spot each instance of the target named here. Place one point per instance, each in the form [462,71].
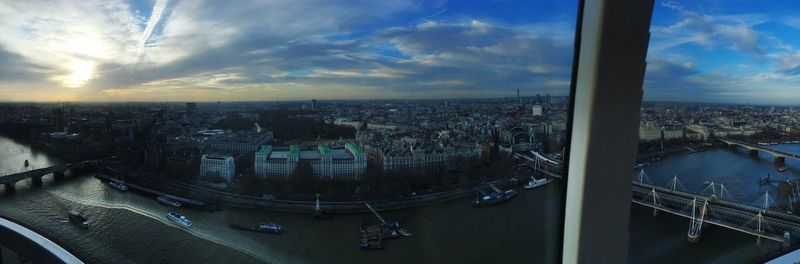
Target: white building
[537,110]
[217,167]
[345,164]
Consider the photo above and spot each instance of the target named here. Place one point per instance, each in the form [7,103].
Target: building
[239,143]
[346,163]
[218,168]
[412,158]
[537,110]
[446,158]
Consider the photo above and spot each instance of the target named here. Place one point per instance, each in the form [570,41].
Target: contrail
[155,17]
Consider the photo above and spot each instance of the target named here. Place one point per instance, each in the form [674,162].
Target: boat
[763,144]
[167,201]
[118,185]
[485,197]
[78,219]
[271,228]
[783,168]
[180,219]
[404,232]
[27,163]
[536,183]
[707,183]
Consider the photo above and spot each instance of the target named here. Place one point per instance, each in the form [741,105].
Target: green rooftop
[294,150]
[264,150]
[354,149]
[324,150]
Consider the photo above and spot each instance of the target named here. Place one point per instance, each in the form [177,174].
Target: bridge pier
[753,152]
[37,181]
[10,187]
[655,212]
[693,238]
[787,240]
[758,241]
[58,175]
[780,159]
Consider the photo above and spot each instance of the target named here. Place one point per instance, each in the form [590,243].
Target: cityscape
[338,149]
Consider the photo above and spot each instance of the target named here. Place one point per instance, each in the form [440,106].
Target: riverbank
[221,198]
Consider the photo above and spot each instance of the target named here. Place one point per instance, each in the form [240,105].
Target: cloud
[398,61]
[702,56]
[283,49]
[16,68]
[710,31]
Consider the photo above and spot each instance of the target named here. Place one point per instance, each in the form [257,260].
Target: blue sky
[724,51]
[179,50]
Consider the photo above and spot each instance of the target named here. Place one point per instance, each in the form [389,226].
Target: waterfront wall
[223,198]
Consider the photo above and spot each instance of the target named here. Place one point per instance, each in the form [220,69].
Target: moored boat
[180,219]
[167,201]
[78,219]
[271,228]
[118,185]
[491,197]
[536,183]
[404,232]
[783,168]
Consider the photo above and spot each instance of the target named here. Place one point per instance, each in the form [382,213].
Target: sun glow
[82,71]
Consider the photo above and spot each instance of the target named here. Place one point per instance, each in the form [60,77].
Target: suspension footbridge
[764,221]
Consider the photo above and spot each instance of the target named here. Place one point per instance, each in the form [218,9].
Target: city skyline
[197,51]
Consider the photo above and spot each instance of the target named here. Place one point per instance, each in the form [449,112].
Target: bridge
[541,163]
[763,222]
[36,174]
[780,156]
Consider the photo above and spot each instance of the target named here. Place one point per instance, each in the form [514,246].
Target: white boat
[180,219]
[536,183]
[167,201]
[270,228]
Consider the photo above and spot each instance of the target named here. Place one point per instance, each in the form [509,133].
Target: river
[663,238]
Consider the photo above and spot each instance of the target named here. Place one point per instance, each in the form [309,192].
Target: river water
[130,228]
[663,238]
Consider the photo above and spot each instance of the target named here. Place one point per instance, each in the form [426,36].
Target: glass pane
[718,134]
[269,131]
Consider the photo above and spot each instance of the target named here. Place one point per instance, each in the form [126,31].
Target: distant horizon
[645,101]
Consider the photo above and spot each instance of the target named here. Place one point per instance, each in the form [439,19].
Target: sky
[743,51]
